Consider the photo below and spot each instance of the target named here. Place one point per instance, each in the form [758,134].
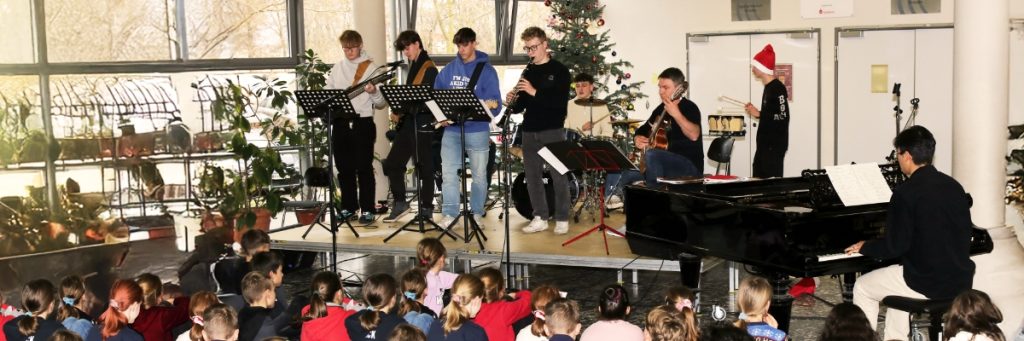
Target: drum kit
[579,184]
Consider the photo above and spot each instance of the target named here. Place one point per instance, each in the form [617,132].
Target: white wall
[652,35]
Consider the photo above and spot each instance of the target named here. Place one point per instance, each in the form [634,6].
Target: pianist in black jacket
[928,229]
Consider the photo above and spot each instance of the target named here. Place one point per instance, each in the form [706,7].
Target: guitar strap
[422,72]
[361,71]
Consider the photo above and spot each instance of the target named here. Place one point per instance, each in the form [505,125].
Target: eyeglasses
[351,48]
[531,48]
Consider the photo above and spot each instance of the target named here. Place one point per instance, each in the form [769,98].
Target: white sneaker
[536,225]
[561,227]
[446,221]
[614,202]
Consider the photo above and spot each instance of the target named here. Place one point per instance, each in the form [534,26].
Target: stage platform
[542,248]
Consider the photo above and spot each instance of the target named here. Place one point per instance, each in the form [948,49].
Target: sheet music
[859,184]
[435,110]
[555,163]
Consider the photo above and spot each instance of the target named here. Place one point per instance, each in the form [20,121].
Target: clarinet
[511,103]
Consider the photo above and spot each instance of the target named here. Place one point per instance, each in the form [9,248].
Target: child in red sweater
[498,311]
[156,321]
[324,318]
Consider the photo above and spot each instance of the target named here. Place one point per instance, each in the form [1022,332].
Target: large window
[438,20]
[227,29]
[109,30]
[530,13]
[324,22]
[16,37]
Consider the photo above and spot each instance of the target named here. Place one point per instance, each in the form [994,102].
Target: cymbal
[591,102]
[626,121]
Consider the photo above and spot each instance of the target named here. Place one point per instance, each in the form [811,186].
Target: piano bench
[934,308]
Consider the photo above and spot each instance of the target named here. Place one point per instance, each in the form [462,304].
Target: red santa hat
[765,60]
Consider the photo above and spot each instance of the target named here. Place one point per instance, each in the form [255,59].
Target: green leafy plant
[241,193]
[311,74]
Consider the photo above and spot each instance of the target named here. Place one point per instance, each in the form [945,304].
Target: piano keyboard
[837,256]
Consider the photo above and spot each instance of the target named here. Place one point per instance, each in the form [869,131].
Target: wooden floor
[543,247]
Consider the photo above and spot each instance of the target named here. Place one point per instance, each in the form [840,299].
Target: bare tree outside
[109,30]
[225,29]
[530,13]
[324,22]
[438,20]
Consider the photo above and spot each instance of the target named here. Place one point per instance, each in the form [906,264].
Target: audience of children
[324,318]
[380,294]
[197,305]
[562,320]
[540,298]
[414,284]
[500,309]
[753,299]
[847,322]
[613,308]
[973,317]
[254,321]
[479,309]
[430,258]
[456,323]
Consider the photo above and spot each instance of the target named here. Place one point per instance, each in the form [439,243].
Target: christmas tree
[581,42]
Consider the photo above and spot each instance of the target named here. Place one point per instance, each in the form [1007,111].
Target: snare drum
[521,196]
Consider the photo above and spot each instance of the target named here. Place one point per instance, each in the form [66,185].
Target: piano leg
[689,270]
[848,280]
[782,304]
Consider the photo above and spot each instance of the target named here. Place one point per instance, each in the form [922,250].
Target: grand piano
[780,228]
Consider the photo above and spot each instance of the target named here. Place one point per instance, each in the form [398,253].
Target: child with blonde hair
[430,258]
[220,323]
[197,305]
[562,320]
[754,298]
[542,295]
[613,308]
[457,323]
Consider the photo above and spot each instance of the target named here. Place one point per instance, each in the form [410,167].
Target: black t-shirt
[46,327]
[678,142]
[388,322]
[773,131]
[547,109]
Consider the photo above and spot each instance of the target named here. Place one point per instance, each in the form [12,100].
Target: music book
[859,184]
[551,151]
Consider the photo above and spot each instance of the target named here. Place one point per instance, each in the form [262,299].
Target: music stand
[323,104]
[461,106]
[411,99]
[593,157]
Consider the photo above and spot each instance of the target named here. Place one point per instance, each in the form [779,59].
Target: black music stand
[411,99]
[323,104]
[461,106]
[596,157]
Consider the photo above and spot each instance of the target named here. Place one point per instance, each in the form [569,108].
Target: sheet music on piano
[859,184]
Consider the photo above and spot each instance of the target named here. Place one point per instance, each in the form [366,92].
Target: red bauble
[594,59]
[547,3]
[600,22]
[628,75]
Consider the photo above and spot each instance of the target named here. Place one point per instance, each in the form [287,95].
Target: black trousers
[353,155]
[768,163]
[409,140]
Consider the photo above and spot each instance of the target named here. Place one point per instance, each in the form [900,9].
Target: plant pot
[307,216]
[262,222]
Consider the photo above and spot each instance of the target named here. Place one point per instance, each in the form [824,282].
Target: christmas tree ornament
[614,53]
[630,107]
[600,22]
[628,75]
[547,3]
[594,59]
[623,87]
[618,80]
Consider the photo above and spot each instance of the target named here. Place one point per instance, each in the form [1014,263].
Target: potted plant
[246,197]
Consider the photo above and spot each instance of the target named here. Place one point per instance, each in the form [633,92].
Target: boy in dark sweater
[254,321]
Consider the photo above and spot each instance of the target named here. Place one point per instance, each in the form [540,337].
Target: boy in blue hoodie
[459,74]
